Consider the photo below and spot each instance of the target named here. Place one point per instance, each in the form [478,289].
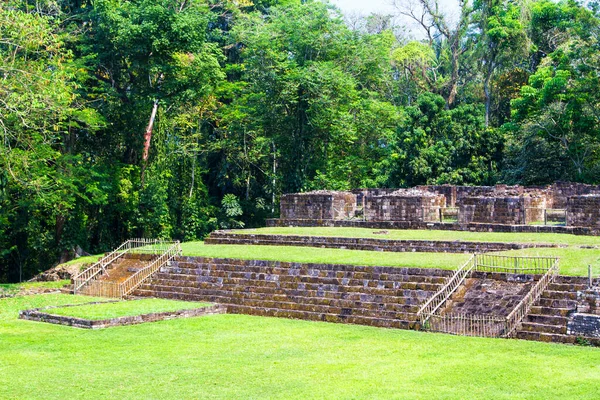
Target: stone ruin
[575,204]
[404,205]
[319,205]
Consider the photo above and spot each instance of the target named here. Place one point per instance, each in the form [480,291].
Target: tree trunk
[148,138]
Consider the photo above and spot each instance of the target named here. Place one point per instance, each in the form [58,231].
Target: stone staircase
[549,317]
[485,296]
[378,296]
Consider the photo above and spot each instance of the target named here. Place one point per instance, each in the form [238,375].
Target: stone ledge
[372,244]
[39,315]
[469,227]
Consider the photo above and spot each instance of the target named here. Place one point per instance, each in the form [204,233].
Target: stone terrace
[378,296]
[429,246]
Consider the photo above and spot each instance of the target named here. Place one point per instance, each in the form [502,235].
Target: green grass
[558,238]
[326,256]
[103,311]
[243,357]
[573,261]
[84,260]
[13,288]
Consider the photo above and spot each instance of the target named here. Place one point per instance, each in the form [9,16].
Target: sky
[364,6]
[449,8]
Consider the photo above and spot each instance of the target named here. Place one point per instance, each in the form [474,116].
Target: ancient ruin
[559,205]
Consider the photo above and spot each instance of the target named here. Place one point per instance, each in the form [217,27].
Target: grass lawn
[97,312]
[574,260]
[238,356]
[399,234]
[326,256]
[13,288]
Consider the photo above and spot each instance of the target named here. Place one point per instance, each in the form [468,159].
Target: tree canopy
[170,118]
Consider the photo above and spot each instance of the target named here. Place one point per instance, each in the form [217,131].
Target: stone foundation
[470,227]
[501,210]
[45,315]
[377,296]
[318,205]
[584,211]
[429,246]
[404,205]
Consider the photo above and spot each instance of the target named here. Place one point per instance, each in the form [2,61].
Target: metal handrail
[87,275]
[473,325]
[143,246]
[136,279]
[522,309]
[440,297]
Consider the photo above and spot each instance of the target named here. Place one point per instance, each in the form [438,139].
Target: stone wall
[430,246]
[584,211]
[378,296]
[45,315]
[470,227]
[404,205]
[318,205]
[561,191]
[501,210]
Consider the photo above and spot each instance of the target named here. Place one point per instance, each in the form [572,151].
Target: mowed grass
[13,288]
[401,234]
[124,308]
[574,260]
[242,357]
[326,256]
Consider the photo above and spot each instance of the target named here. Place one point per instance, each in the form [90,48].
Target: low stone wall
[471,227]
[45,315]
[318,205]
[584,211]
[378,296]
[404,206]
[501,210]
[429,246]
[561,191]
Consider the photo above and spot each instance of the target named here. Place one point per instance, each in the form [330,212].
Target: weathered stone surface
[470,227]
[378,296]
[585,325]
[432,246]
[584,211]
[318,205]
[404,205]
[45,315]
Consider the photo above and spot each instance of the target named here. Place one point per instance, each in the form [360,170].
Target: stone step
[293,307]
[547,319]
[553,311]
[379,322]
[559,295]
[342,303]
[241,272]
[545,337]
[572,304]
[571,279]
[420,290]
[308,269]
[308,282]
[566,287]
[543,328]
[262,293]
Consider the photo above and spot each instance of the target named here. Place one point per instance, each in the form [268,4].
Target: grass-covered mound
[238,356]
[325,256]
[127,308]
[416,234]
